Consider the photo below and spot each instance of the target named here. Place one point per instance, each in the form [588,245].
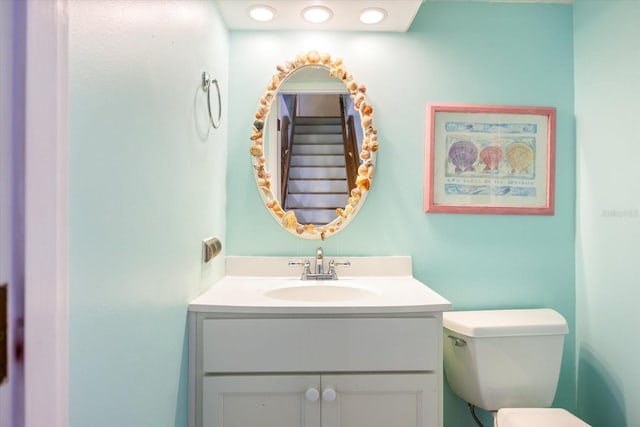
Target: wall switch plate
[211,247]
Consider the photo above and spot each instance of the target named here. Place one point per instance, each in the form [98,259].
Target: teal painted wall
[458,52]
[607,59]
[147,184]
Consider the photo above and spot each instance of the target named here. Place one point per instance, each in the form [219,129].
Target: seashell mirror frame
[288,219]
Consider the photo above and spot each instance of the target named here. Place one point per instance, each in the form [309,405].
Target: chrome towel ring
[206,86]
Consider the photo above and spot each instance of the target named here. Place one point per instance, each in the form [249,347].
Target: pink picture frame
[490,159]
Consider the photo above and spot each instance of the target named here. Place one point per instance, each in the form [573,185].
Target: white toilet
[508,362]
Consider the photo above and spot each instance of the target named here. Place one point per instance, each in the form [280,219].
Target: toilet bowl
[508,362]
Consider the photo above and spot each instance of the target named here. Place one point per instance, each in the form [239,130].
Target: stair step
[317,186]
[322,129]
[318,120]
[329,201]
[315,216]
[317,173]
[317,160]
[310,172]
[316,138]
[308,149]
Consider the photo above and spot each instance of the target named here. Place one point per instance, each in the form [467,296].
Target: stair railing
[351,159]
[285,156]
[286,147]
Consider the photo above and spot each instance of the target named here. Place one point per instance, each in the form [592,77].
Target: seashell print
[491,157]
[519,156]
[463,154]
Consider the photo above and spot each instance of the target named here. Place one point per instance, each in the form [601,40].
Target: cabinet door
[387,400]
[260,401]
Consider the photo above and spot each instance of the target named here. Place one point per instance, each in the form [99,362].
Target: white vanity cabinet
[370,361]
[353,400]
[298,371]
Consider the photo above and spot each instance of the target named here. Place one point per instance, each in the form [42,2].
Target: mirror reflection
[315,127]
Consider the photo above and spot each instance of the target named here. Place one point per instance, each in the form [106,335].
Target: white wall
[607,60]
[147,184]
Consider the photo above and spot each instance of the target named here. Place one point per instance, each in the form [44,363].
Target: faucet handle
[297,263]
[307,267]
[340,263]
[332,267]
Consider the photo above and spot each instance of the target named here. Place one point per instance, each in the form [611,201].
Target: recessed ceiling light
[372,15]
[316,14]
[262,13]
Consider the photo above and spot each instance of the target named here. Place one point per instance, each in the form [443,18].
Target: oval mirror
[313,146]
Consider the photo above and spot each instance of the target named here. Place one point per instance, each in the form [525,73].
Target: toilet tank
[504,358]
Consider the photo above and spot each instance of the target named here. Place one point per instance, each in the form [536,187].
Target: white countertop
[245,288]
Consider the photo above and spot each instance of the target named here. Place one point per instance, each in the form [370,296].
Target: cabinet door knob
[312,394]
[329,395]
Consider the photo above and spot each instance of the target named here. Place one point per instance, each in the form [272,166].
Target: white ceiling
[400,14]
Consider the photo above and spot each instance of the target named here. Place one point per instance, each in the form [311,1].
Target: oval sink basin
[319,293]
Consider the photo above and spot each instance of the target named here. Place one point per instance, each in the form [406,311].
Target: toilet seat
[536,417]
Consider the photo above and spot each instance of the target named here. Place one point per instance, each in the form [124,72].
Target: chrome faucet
[319,261]
[319,273]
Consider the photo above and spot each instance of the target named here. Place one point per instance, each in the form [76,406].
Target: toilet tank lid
[498,323]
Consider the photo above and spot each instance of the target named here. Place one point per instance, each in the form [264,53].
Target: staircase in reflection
[317,180]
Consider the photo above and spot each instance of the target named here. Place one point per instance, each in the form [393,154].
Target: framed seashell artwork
[490,159]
